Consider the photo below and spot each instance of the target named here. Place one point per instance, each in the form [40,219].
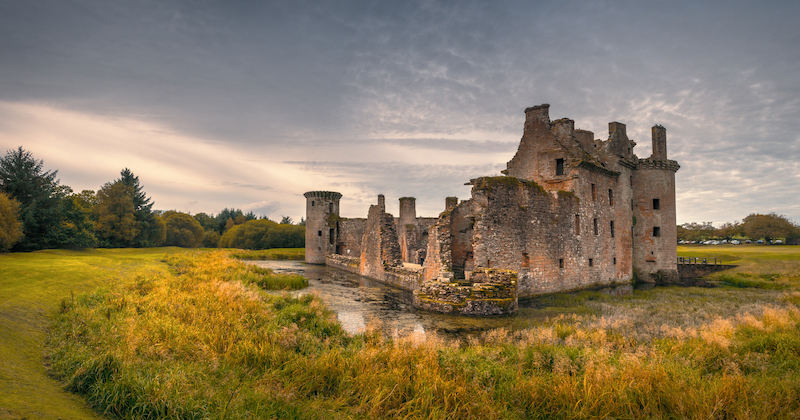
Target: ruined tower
[407,228]
[654,246]
[322,212]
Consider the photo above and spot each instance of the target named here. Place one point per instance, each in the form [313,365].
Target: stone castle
[570,212]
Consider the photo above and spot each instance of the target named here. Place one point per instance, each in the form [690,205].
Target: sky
[249,104]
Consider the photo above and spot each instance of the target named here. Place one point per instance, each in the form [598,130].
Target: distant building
[570,212]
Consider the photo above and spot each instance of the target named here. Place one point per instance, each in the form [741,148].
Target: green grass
[270,254]
[194,336]
[31,287]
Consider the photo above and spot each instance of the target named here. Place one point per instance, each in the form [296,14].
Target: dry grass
[203,344]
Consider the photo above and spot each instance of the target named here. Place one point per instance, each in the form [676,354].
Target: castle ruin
[570,212]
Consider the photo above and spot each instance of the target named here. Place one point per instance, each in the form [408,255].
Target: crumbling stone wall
[380,247]
[571,212]
[351,232]
[492,292]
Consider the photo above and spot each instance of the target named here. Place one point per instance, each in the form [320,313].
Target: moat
[360,302]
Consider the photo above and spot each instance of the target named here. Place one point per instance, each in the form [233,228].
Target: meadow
[149,334]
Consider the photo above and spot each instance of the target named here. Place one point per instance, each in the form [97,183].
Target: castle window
[312,203]
[330,207]
[594,193]
[319,233]
[595,226]
[559,166]
[526,260]
[615,260]
[610,197]
[577,224]
[631,181]
[612,228]
[656,204]
[591,262]
[332,232]
[656,231]
[560,263]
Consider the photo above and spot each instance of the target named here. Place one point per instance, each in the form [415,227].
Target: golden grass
[200,343]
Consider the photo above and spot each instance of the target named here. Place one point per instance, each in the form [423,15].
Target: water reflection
[360,302]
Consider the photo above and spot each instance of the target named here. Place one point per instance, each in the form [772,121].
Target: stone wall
[351,233]
[342,262]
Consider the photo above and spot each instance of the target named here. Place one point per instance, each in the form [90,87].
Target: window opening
[615,260]
[330,207]
[312,203]
[526,260]
[332,233]
[612,228]
[595,226]
[591,262]
[319,233]
[656,204]
[594,193]
[656,231]
[560,263]
[559,166]
[610,197]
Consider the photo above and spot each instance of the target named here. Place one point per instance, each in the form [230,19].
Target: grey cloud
[722,77]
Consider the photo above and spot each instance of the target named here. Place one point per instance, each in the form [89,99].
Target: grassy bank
[197,342]
[31,287]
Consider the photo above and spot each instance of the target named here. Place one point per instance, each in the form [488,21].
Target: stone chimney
[659,142]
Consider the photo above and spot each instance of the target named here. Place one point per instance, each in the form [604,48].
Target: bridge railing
[699,260]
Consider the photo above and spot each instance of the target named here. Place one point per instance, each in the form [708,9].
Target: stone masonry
[570,212]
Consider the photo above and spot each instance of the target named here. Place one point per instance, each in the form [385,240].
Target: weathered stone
[572,212]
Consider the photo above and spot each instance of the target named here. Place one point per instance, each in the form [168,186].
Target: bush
[182,230]
[211,239]
[263,234]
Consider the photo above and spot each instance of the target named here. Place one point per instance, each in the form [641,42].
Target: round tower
[322,211]
[655,244]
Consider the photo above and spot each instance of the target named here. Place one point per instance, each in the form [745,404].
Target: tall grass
[270,254]
[204,342]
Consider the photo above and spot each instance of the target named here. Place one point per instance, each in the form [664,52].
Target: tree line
[37,212]
[769,227]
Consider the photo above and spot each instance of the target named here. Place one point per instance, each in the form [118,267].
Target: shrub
[263,234]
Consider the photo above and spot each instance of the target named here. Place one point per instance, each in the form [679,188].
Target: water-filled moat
[359,302]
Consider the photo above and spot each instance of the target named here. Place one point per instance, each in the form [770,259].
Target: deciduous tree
[768,226]
[115,216]
[10,226]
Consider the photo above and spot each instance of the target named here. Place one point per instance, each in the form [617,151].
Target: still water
[360,302]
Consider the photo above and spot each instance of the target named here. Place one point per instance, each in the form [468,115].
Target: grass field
[31,287]
[193,336]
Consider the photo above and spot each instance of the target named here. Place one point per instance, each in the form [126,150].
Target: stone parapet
[342,262]
[651,163]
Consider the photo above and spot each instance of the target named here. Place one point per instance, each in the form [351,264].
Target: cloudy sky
[249,104]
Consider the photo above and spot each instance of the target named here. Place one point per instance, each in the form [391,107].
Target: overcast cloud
[247,104]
